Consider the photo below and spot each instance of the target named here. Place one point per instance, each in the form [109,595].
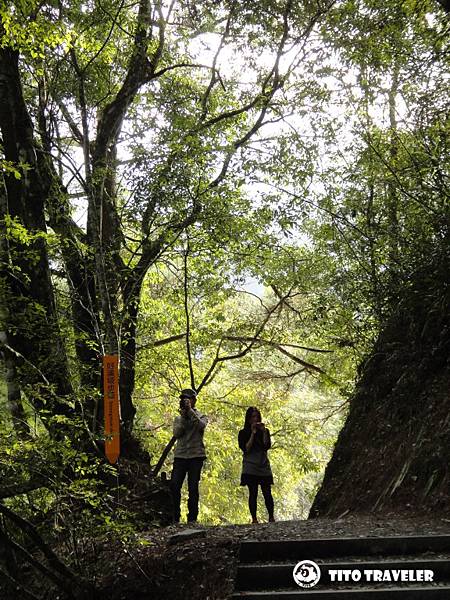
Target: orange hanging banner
[111,407]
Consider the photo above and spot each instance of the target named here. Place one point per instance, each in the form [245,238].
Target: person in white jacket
[189,429]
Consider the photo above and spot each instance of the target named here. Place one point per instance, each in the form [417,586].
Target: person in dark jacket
[254,441]
[190,454]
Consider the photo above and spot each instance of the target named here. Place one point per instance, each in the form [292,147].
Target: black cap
[188,393]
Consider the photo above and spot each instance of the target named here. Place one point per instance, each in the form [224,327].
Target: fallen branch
[26,556]
[69,578]
[166,451]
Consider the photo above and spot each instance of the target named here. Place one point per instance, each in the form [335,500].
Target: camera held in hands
[185,403]
[188,397]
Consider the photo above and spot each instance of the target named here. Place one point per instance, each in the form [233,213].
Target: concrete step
[296,550]
[391,593]
[272,576]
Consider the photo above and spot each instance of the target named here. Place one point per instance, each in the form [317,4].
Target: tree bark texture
[33,327]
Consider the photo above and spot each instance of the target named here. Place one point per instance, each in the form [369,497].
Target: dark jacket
[255,461]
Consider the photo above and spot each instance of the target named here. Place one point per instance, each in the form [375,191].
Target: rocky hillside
[394,450]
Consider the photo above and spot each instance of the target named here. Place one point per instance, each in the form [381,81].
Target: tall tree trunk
[79,265]
[13,390]
[33,328]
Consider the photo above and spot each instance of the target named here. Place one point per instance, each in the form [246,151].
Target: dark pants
[253,498]
[192,467]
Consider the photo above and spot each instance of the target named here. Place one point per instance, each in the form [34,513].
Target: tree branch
[140,70]
[186,312]
[53,559]
[220,359]
[275,344]
[163,342]
[76,132]
[18,549]
[214,71]
[163,457]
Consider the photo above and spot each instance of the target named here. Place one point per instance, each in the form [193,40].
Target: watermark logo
[381,575]
[306,573]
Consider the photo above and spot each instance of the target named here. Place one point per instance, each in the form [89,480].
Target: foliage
[233,197]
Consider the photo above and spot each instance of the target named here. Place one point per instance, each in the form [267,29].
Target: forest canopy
[231,196]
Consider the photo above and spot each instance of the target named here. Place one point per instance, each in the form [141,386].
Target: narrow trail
[257,561]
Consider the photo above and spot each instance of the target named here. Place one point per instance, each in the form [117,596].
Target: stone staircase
[266,568]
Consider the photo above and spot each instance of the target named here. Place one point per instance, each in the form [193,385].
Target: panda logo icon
[306,573]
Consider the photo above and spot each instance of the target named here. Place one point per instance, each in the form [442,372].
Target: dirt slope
[394,450]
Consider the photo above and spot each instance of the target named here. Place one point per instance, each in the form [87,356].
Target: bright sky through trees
[306,162]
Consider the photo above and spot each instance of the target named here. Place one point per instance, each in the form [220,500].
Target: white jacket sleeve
[178,427]
[199,419]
